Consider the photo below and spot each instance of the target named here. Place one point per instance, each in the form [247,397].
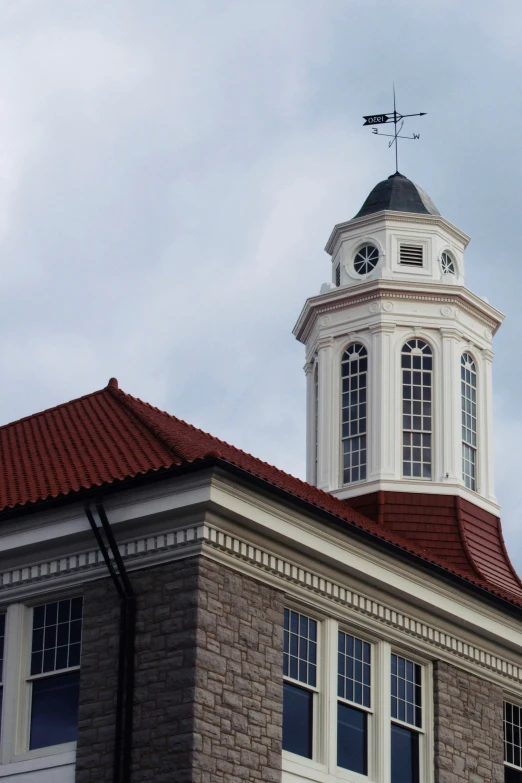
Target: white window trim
[433,431]
[339,429]
[516,701]
[16,707]
[474,448]
[322,768]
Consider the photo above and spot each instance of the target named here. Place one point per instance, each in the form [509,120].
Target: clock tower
[398,364]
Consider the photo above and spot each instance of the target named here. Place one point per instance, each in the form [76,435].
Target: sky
[170,172]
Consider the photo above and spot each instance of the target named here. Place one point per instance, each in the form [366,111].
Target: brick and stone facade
[208,698]
[469,742]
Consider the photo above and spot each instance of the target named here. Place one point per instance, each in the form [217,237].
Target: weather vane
[398,121]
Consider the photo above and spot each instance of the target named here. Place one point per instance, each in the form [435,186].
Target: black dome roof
[400,194]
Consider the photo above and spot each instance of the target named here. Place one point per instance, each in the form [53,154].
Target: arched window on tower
[468,387]
[417,383]
[354,373]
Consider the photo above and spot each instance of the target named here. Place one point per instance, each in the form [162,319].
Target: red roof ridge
[127,401]
[126,398]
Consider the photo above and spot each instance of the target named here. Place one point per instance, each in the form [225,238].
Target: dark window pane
[64,610]
[297,720]
[352,739]
[62,657]
[54,711]
[36,663]
[76,608]
[38,616]
[512,775]
[38,636]
[50,637]
[51,613]
[63,635]
[74,654]
[49,660]
[76,631]
[404,755]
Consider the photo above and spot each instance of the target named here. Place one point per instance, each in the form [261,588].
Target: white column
[485,453]
[309,369]
[382,403]
[328,440]
[447,413]
[15,707]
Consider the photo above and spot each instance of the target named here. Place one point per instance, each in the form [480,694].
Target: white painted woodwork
[383,310]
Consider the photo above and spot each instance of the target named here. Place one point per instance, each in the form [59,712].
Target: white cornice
[389,216]
[341,298]
[260,562]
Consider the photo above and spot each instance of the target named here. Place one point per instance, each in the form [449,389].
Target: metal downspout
[125,688]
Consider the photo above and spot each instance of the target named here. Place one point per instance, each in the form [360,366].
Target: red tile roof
[108,436]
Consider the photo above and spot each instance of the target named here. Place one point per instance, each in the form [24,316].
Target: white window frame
[323,768]
[515,702]
[317,690]
[366,433]
[16,708]
[412,432]
[473,448]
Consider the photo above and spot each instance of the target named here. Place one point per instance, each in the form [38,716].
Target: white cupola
[398,357]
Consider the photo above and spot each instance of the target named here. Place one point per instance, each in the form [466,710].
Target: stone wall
[208,698]
[469,741]
[98,679]
[239,675]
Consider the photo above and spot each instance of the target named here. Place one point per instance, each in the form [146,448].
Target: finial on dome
[113,383]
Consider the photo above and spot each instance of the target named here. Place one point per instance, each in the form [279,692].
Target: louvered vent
[411,255]
[338,275]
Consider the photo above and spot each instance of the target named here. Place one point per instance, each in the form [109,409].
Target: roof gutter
[125,688]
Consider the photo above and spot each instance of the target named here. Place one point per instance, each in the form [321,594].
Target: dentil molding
[76,569]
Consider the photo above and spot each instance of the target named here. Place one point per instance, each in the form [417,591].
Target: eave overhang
[342,297]
[388,216]
[240,474]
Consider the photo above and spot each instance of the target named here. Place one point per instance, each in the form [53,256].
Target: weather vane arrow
[398,120]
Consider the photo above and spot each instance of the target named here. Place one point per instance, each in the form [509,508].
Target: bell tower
[399,360]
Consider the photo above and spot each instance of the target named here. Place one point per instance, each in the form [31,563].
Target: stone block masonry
[239,673]
[469,740]
[208,698]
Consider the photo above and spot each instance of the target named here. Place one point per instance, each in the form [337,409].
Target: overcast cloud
[170,172]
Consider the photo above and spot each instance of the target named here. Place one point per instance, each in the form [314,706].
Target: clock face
[366,259]
[447,264]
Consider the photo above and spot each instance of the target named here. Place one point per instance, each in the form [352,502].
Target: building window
[406,713]
[338,275]
[334,714]
[354,702]
[366,259]
[417,382]
[354,373]
[300,682]
[468,386]
[447,264]
[512,743]
[55,672]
